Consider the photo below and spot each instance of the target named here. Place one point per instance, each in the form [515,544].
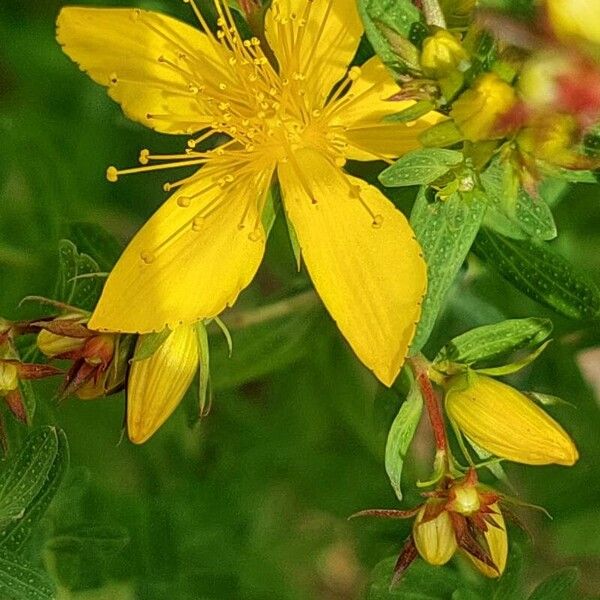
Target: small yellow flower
[157,384]
[506,423]
[477,111]
[434,537]
[575,18]
[442,54]
[497,544]
[289,119]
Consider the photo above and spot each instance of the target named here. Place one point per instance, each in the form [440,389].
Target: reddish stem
[432,404]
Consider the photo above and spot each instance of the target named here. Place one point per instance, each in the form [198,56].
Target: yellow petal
[361,255]
[157,384]
[497,543]
[577,18]
[146,60]
[362,118]
[314,40]
[506,423]
[192,258]
[434,539]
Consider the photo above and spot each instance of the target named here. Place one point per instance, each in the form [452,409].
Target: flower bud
[434,537]
[9,377]
[477,111]
[157,384]
[497,544]
[506,423]
[51,345]
[442,54]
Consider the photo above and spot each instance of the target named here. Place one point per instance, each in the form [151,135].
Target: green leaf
[445,229]
[557,586]
[388,26]
[520,218]
[400,436]
[420,582]
[16,533]
[491,341]
[539,272]
[20,581]
[24,478]
[79,283]
[96,242]
[420,167]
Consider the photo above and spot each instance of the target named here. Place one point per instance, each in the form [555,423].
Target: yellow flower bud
[575,18]
[442,53]
[157,384]
[497,543]
[434,539]
[52,345]
[506,423]
[9,377]
[476,111]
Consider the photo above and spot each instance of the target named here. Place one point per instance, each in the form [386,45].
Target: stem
[420,369]
[433,13]
[240,319]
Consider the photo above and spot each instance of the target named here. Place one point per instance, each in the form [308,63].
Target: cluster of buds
[99,360]
[460,515]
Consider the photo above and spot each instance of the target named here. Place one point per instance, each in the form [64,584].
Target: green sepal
[203,368]
[149,343]
[515,366]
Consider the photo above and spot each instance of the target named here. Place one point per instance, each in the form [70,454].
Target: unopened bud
[497,544]
[442,54]
[434,537]
[506,423]
[477,111]
[51,344]
[9,377]
[157,384]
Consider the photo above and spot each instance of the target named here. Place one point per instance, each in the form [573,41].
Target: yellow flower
[157,384]
[442,54]
[477,111]
[575,18]
[506,423]
[434,537]
[497,544]
[293,121]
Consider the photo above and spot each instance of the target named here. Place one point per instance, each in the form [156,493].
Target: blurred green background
[252,502]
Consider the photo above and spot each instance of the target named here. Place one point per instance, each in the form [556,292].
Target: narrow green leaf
[445,229]
[420,167]
[412,113]
[388,26]
[204,366]
[514,366]
[400,436]
[549,399]
[149,343]
[20,581]
[13,536]
[96,242]
[542,274]
[25,477]
[557,586]
[491,341]
[107,539]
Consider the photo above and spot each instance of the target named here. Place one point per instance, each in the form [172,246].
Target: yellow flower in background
[157,384]
[506,423]
[293,121]
[575,18]
[478,110]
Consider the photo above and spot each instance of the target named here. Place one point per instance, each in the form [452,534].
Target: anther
[113,79]
[354,73]
[144,156]
[197,223]
[377,221]
[183,201]
[255,235]
[112,174]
